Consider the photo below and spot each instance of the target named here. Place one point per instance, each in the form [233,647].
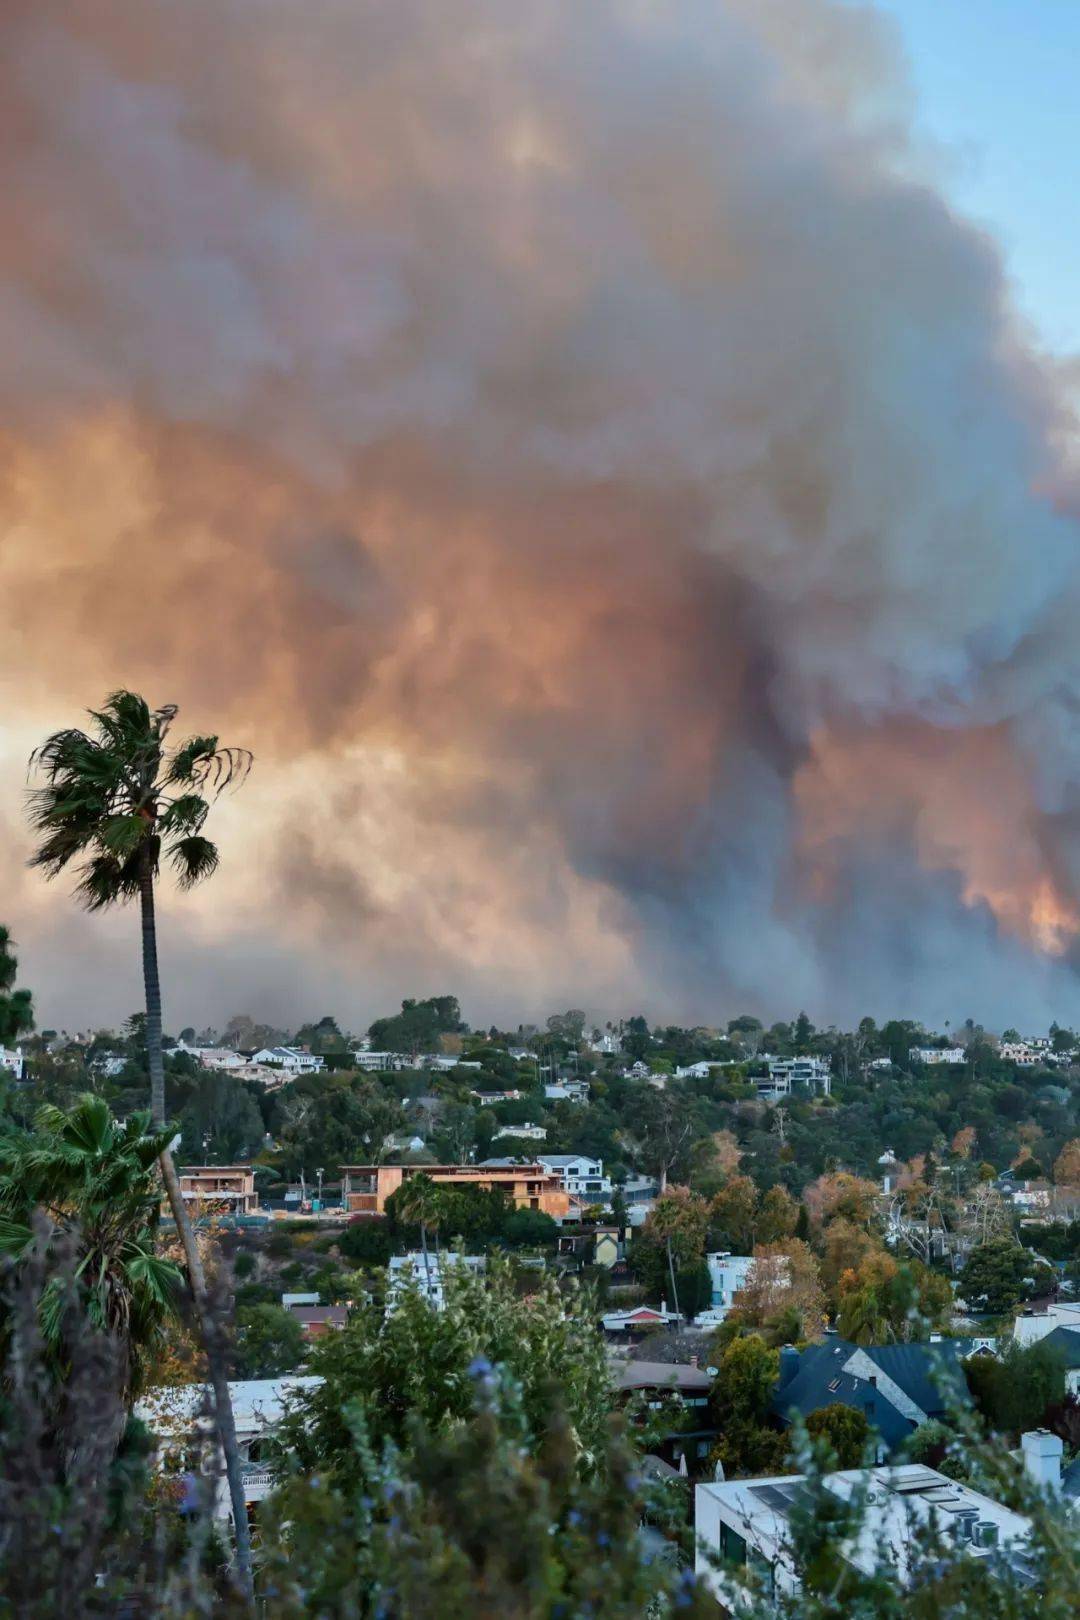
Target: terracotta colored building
[366,1187]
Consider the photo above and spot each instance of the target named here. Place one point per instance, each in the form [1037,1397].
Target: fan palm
[95,1179]
[115,801]
[420,1200]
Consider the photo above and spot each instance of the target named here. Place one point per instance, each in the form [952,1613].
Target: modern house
[574,1091]
[746,1524]
[579,1174]
[931,1055]
[179,1418]
[788,1074]
[524,1133]
[727,1273]
[366,1187]
[228,1187]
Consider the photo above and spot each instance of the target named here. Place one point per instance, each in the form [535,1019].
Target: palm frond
[193,859]
[185,815]
[202,762]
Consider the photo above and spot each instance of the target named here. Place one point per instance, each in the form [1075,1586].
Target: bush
[244,1264]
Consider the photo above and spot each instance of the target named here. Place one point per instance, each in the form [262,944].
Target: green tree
[418,1200]
[740,1402]
[418,1025]
[1014,1389]
[221,1122]
[993,1278]
[844,1429]
[420,1365]
[269,1342]
[114,801]
[530,1229]
[93,1177]
[16,1006]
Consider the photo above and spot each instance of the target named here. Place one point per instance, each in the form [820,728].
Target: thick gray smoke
[581,452]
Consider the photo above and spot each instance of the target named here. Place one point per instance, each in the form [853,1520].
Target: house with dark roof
[896,1386]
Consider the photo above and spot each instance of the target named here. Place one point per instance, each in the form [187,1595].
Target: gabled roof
[923,1371]
[821,1381]
[1066,1341]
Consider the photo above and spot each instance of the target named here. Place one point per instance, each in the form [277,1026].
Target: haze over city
[613,465]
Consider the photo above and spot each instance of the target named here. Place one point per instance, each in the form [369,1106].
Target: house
[578,1173]
[896,1386]
[786,1074]
[488,1099]
[427,1273]
[745,1524]
[11,1059]
[1020,1053]
[366,1187]
[368,1060]
[575,1091]
[693,1071]
[640,1319]
[293,1059]
[727,1273]
[229,1187]
[593,1245]
[220,1057]
[1030,1327]
[524,1133]
[179,1418]
[931,1055]
[316,1319]
[684,1387]
[640,1193]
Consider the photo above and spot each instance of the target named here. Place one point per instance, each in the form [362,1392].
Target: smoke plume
[580,451]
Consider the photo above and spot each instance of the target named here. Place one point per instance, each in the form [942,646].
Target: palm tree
[94,1178]
[114,801]
[16,1008]
[420,1200]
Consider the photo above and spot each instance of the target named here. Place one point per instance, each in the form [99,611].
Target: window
[732,1545]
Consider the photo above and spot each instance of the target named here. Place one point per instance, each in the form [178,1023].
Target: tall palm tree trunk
[210,1328]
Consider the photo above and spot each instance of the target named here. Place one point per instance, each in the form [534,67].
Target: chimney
[789,1364]
[1042,1458]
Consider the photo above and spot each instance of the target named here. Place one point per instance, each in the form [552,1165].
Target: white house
[220,1057]
[579,1174]
[745,1523]
[11,1058]
[1030,1327]
[727,1273]
[290,1059]
[1020,1053]
[934,1054]
[178,1417]
[787,1073]
[427,1274]
[525,1133]
[693,1071]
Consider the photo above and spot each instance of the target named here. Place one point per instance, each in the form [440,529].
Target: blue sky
[999,82]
